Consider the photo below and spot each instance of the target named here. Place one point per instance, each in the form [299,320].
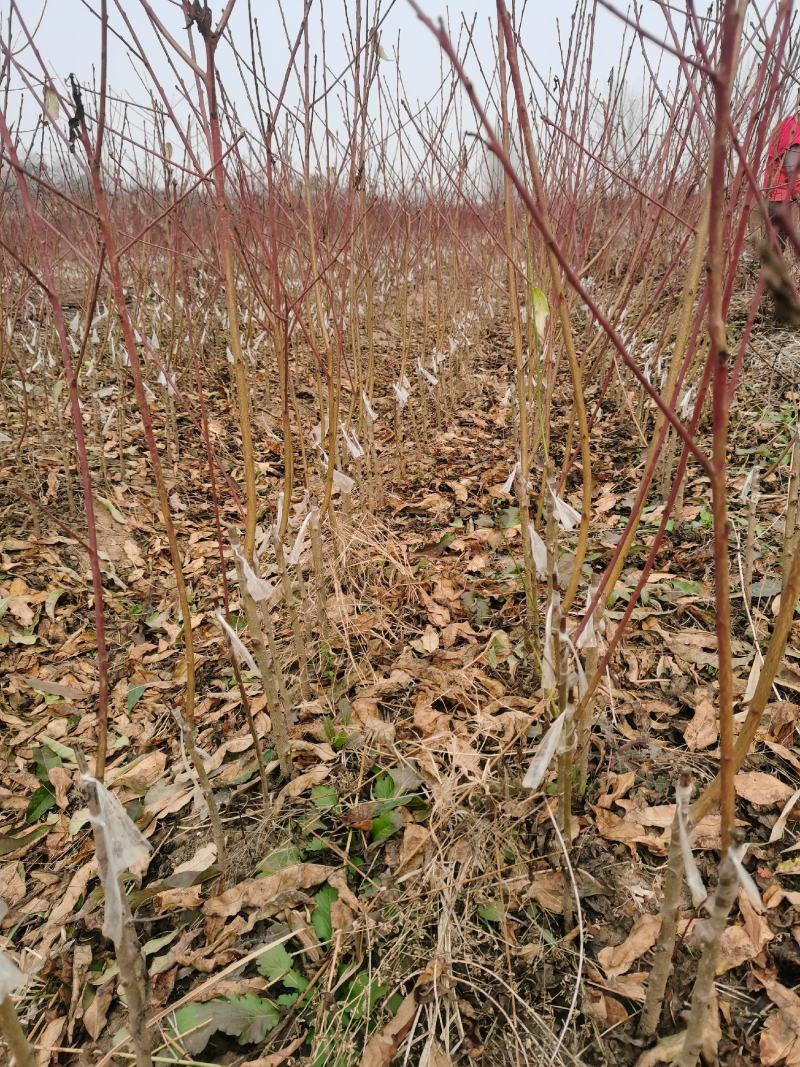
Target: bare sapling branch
[257,593]
[704,1001]
[119,847]
[679,865]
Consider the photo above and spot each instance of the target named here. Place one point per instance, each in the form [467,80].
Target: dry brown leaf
[618,787]
[49,1039]
[778,1042]
[756,925]
[788,810]
[305,935]
[617,959]
[427,719]
[81,958]
[360,816]
[61,781]
[200,861]
[772,896]
[604,1009]
[695,638]
[464,756]
[21,610]
[662,816]
[72,894]
[367,715]
[788,674]
[57,689]
[341,916]
[229,987]
[275,1059]
[12,883]
[166,798]
[692,655]
[456,630]
[757,787]
[786,999]
[780,1036]
[259,892]
[702,730]
[383,1045]
[783,752]
[606,501]
[175,899]
[437,1057]
[339,882]
[460,489]
[477,563]
[493,686]
[413,846]
[615,828]
[133,553]
[429,642]
[781,721]
[325,753]
[438,615]
[141,773]
[735,948]
[547,889]
[666,1051]
[299,785]
[742,943]
[630,986]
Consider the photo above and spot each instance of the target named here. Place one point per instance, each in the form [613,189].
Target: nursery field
[399,539]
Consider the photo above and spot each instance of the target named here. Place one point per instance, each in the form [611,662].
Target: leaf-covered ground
[403,887]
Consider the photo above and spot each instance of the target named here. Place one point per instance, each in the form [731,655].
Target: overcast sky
[68,39]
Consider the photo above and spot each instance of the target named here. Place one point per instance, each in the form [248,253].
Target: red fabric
[776,180]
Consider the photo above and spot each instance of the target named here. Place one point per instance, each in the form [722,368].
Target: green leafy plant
[248,1018]
[277,965]
[43,798]
[321,912]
